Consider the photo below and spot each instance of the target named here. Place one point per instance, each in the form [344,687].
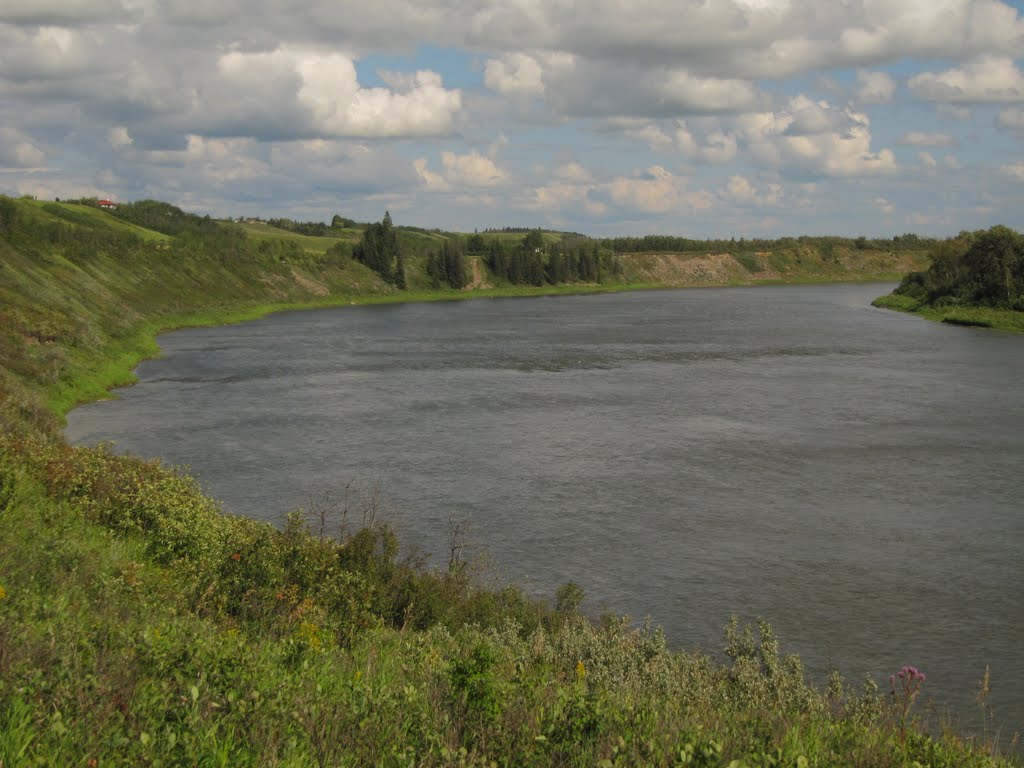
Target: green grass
[88,216]
[981,317]
[262,231]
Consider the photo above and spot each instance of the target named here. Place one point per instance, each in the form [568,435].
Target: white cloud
[472,170]
[657,191]
[264,101]
[715,147]
[984,79]
[921,139]
[741,190]
[688,93]
[883,205]
[119,137]
[573,172]
[875,87]
[460,171]
[559,197]
[841,147]
[515,73]
[328,91]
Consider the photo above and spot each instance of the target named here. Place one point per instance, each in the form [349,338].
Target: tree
[8,214]
[475,244]
[378,249]
[400,272]
[447,266]
[533,241]
[982,268]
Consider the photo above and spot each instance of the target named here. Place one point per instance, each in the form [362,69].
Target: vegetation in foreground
[976,278]
[141,626]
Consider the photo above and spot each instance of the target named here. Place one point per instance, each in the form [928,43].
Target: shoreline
[1005,320]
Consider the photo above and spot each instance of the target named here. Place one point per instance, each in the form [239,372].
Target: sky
[722,118]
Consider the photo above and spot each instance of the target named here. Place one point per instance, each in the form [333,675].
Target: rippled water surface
[853,475]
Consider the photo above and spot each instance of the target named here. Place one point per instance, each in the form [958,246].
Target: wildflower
[581,671]
[236,556]
[3,592]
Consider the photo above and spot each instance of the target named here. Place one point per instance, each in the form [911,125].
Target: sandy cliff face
[696,269]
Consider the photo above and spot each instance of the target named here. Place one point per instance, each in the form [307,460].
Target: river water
[853,475]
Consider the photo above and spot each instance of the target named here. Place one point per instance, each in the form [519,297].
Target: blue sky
[705,119]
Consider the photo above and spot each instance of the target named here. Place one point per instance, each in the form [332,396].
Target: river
[852,475]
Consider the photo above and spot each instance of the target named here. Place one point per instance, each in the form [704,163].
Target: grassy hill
[141,626]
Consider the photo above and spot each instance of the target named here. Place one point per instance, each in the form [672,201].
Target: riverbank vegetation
[976,278]
[139,625]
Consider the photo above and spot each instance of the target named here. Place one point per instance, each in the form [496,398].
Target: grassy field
[262,231]
[141,626]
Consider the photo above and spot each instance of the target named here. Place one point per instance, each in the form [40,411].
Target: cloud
[741,190]
[883,205]
[326,95]
[689,93]
[874,87]
[38,58]
[810,138]
[920,139]
[561,197]
[984,79]
[1014,170]
[471,170]
[714,147]
[285,104]
[19,151]
[573,172]
[67,13]
[515,73]
[576,86]
[1011,119]
[656,190]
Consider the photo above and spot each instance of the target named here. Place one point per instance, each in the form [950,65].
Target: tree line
[983,268]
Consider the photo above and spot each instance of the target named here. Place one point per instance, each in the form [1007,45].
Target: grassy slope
[139,625]
[86,216]
[263,231]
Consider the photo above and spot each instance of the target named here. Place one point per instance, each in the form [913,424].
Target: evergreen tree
[378,249]
[400,271]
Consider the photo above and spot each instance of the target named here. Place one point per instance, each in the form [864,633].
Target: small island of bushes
[976,278]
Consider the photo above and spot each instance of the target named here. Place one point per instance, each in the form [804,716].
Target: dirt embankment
[742,268]
[477,281]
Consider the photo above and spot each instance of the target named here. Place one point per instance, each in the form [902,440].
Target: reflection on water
[852,475]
